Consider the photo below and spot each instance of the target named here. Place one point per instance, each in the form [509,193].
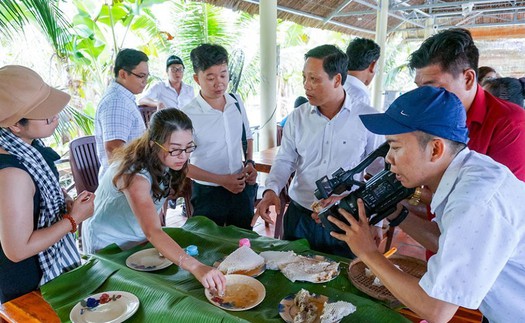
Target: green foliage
[196,23]
[73,123]
[15,14]
[397,74]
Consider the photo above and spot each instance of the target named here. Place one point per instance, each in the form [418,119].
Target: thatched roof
[411,17]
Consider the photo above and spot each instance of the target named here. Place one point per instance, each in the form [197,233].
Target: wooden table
[176,291]
[264,159]
[30,307]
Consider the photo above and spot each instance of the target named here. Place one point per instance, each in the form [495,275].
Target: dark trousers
[298,223]
[222,206]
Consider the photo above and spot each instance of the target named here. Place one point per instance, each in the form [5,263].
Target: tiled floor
[405,244]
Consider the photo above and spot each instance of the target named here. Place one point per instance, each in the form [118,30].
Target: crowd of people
[459,137]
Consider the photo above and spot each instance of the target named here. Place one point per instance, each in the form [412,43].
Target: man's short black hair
[452,49]
[205,56]
[335,60]
[127,59]
[361,53]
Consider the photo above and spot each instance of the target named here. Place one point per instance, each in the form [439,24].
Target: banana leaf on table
[174,295]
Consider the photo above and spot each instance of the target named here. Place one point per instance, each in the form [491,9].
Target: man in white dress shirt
[223,185]
[320,136]
[479,221]
[362,55]
[172,93]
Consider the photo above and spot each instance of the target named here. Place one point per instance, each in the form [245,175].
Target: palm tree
[197,23]
[15,14]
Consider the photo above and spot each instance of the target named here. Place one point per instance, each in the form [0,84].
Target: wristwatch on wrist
[249,161]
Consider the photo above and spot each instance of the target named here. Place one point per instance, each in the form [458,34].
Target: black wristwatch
[400,218]
[249,161]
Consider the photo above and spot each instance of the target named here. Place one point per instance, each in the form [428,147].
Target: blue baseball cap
[428,109]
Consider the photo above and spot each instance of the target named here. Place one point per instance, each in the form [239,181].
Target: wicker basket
[409,265]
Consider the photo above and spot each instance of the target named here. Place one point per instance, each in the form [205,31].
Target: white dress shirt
[356,89]
[481,257]
[217,136]
[165,93]
[314,146]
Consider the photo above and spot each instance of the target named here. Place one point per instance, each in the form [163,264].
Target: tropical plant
[15,14]
[196,23]
[102,29]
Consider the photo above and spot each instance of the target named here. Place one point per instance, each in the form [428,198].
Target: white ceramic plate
[242,293]
[147,260]
[121,306]
[288,310]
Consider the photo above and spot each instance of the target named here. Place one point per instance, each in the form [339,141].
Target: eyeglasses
[48,120]
[177,69]
[177,152]
[140,76]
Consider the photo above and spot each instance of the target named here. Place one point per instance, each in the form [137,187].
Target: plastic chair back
[84,163]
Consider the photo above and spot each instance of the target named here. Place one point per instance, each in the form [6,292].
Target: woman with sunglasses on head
[134,188]
[37,219]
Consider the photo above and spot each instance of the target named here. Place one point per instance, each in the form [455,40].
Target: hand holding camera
[380,194]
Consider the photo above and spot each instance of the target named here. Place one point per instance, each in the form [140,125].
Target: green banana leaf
[174,295]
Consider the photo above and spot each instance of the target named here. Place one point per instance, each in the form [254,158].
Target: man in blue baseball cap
[479,226]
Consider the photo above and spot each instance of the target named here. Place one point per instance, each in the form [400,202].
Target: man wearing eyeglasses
[172,93]
[118,120]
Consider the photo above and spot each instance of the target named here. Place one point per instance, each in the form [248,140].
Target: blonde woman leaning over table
[37,220]
[134,188]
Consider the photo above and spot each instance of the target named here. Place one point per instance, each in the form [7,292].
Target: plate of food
[306,307]
[147,260]
[242,261]
[311,268]
[365,280]
[109,307]
[242,293]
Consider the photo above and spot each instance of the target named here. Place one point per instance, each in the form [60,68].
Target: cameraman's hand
[263,208]
[331,200]
[357,235]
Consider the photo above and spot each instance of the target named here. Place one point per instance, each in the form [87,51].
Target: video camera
[380,194]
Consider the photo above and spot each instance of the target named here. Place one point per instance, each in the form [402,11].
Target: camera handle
[346,178]
[378,217]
